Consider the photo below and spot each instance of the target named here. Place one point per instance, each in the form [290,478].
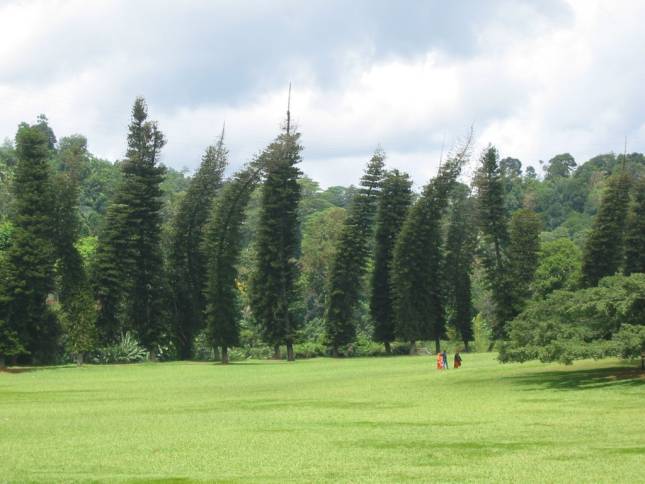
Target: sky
[534,78]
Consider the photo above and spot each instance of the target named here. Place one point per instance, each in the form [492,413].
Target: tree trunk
[334,351]
[152,356]
[79,358]
[276,352]
[224,354]
[290,355]
[388,348]
[642,361]
[437,344]
[466,348]
[2,363]
[413,347]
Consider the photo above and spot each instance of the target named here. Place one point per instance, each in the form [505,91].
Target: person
[444,355]
[457,362]
[439,361]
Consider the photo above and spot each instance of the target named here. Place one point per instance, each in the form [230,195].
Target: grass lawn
[362,419]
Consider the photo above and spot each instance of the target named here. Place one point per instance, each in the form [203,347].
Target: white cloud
[532,83]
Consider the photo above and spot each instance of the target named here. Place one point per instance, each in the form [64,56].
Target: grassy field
[362,419]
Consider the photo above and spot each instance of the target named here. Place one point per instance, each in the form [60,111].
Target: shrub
[126,350]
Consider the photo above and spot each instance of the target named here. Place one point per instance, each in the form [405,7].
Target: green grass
[362,419]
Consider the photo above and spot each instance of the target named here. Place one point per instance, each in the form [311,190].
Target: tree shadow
[617,376]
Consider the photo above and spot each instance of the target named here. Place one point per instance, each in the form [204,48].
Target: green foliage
[417,268]
[78,321]
[320,235]
[603,254]
[393,203]
[635,231]
[128,273]
[125,350]
[493,223]
[558,267]
[573,325]
[27,277]
[560,166]
[277,245]
[350,260]
[460,247]
[221,251]
[523,252]
[187,263]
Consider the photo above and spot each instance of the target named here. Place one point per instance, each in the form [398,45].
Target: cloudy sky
[535,78]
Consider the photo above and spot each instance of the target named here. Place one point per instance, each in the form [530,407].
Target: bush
[126,350]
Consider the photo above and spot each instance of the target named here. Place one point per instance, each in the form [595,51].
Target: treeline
[99,258]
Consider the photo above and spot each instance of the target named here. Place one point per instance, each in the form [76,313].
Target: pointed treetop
[289,110]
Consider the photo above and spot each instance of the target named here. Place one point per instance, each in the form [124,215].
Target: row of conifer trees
[421,248]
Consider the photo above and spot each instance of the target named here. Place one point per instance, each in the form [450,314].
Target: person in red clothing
[457,363]
[439,361]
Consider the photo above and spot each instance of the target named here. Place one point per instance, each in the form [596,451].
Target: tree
[460,247]
[607,320]
[417,266]
[277,246]
[558,267]
[77,307]
[603,253]
[393,203]
[187,263]
[320,233]
[129,262]
[221,250]
[560,166]
[635,233]
[348,268]
[523,254]
[493,224]
[28,275]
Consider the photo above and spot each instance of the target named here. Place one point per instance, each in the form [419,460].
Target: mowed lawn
[363,419]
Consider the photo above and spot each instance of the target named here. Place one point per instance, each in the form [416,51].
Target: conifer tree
[78,313]
[635,233]
[29,272]
[186,259]
[393,203]
[277,245]
[221,249]
[523,254]
[417,274]
[493,224]
[349,264]
[460,247]
[129,263]
[603,254]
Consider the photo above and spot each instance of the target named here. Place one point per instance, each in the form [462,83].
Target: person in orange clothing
[457,362]
[439,361]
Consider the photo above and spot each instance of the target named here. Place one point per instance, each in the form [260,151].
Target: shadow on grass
[618,376]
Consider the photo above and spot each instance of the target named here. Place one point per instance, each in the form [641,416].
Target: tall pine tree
[460,247]
[187,263]
[28,276]
[603,254]
[417,268]
[221,249]
[277,245]
[635,233]
[523,254]
[393,203]
[493,224]
[129,263]
[77,315]
[349,264]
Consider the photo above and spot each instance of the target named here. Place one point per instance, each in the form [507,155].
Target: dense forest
[120,261]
